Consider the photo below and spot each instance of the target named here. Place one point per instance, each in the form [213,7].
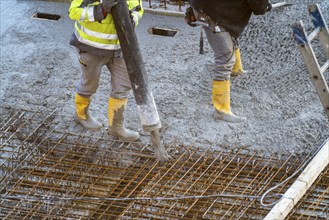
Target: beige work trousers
[223,46]
[91,66]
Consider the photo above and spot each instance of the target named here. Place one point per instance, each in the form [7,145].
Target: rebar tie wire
[237,196]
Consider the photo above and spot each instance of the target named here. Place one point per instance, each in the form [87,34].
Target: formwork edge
[301,185]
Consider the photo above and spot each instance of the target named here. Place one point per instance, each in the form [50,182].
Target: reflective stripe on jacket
[97,34]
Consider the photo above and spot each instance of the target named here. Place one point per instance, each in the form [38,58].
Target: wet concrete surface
[39,69]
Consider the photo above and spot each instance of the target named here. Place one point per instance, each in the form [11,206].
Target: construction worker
[225,21]
[97,43]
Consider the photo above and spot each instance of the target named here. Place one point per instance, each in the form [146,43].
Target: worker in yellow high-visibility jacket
[97,43]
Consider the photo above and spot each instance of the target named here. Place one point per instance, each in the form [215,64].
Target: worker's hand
[108,5]
[133,18]
[190,17]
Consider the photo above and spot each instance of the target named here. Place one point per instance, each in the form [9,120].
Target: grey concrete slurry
[39,69]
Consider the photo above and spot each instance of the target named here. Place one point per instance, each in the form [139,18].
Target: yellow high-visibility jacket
[98,34]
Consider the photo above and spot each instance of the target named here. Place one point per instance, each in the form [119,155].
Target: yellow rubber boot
[82,114]
[222,103]
[237,68]
[116,120]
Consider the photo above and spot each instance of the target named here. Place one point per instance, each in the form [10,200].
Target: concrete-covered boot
[82,114]
[116,127]
[222,102]
[237,68]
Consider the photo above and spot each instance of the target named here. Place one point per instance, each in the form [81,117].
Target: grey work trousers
[91,66]
[223,46]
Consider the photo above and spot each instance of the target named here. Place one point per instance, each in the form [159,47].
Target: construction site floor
[47,172]
[45,153]
[284,114]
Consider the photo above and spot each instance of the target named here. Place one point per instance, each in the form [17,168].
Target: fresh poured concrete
[39,69]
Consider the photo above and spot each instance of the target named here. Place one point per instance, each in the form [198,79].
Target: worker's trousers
[223,46]
[91,66]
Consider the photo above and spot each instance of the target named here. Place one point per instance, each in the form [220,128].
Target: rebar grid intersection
[39,160]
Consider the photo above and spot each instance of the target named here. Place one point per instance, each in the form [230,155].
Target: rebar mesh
[49,173]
